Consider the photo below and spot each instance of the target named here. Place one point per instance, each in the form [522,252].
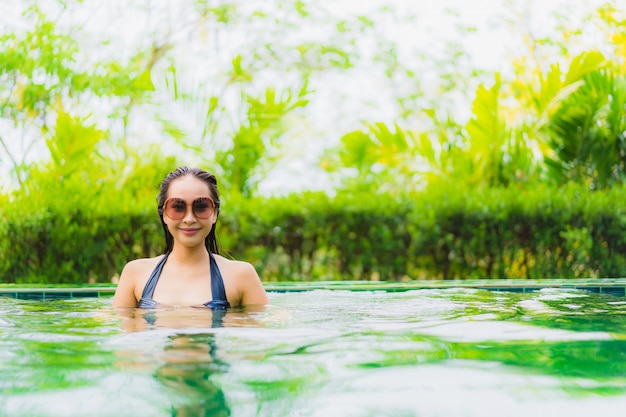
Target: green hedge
[73,248]
[437,234]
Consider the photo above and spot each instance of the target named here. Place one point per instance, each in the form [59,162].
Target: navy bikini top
[219,302]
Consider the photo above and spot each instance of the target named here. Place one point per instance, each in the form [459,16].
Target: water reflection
[321,353]
[188,361]
[136,320]
[190,364]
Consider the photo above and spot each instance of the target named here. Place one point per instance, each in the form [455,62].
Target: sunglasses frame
[193,208]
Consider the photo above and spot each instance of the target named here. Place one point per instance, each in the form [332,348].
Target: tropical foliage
[88,129]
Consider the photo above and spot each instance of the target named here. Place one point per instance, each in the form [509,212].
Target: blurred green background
[355,141]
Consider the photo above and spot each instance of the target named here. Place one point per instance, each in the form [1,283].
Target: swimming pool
[427,352]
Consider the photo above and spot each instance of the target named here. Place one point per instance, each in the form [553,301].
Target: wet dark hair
[210,241]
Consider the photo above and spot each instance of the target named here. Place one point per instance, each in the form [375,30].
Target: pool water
[439,352]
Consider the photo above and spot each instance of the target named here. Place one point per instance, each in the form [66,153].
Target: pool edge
[614,286]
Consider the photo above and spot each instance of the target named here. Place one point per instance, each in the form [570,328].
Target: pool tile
[58,295]
[617,291]
[30,295]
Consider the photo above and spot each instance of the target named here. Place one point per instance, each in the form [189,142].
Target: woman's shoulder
[234,266]
[242,282]
[132,280]
[141,264]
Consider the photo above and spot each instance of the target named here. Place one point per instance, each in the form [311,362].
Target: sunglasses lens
[203,207]
[175,208]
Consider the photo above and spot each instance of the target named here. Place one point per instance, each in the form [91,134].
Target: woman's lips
[190,231]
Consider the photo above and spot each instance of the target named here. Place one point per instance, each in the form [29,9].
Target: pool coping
[613,286]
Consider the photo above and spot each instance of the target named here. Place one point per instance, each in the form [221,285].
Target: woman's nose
[189,214]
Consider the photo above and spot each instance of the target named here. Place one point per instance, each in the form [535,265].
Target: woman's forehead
[188,186]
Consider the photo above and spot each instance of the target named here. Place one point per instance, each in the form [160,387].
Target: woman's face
[186,202]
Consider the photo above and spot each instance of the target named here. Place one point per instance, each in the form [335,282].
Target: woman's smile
[189,231]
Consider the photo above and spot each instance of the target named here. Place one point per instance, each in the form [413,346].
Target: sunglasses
[175,208]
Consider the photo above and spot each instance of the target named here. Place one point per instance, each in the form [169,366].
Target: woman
[190,272]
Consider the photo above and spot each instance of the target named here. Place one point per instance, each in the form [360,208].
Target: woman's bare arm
[125,292]
[250,286]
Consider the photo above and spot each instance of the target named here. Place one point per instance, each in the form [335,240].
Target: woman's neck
[185,255]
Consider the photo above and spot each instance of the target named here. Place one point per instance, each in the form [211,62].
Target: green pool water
[451,351]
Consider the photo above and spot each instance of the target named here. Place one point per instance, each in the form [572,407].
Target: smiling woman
[190,271]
